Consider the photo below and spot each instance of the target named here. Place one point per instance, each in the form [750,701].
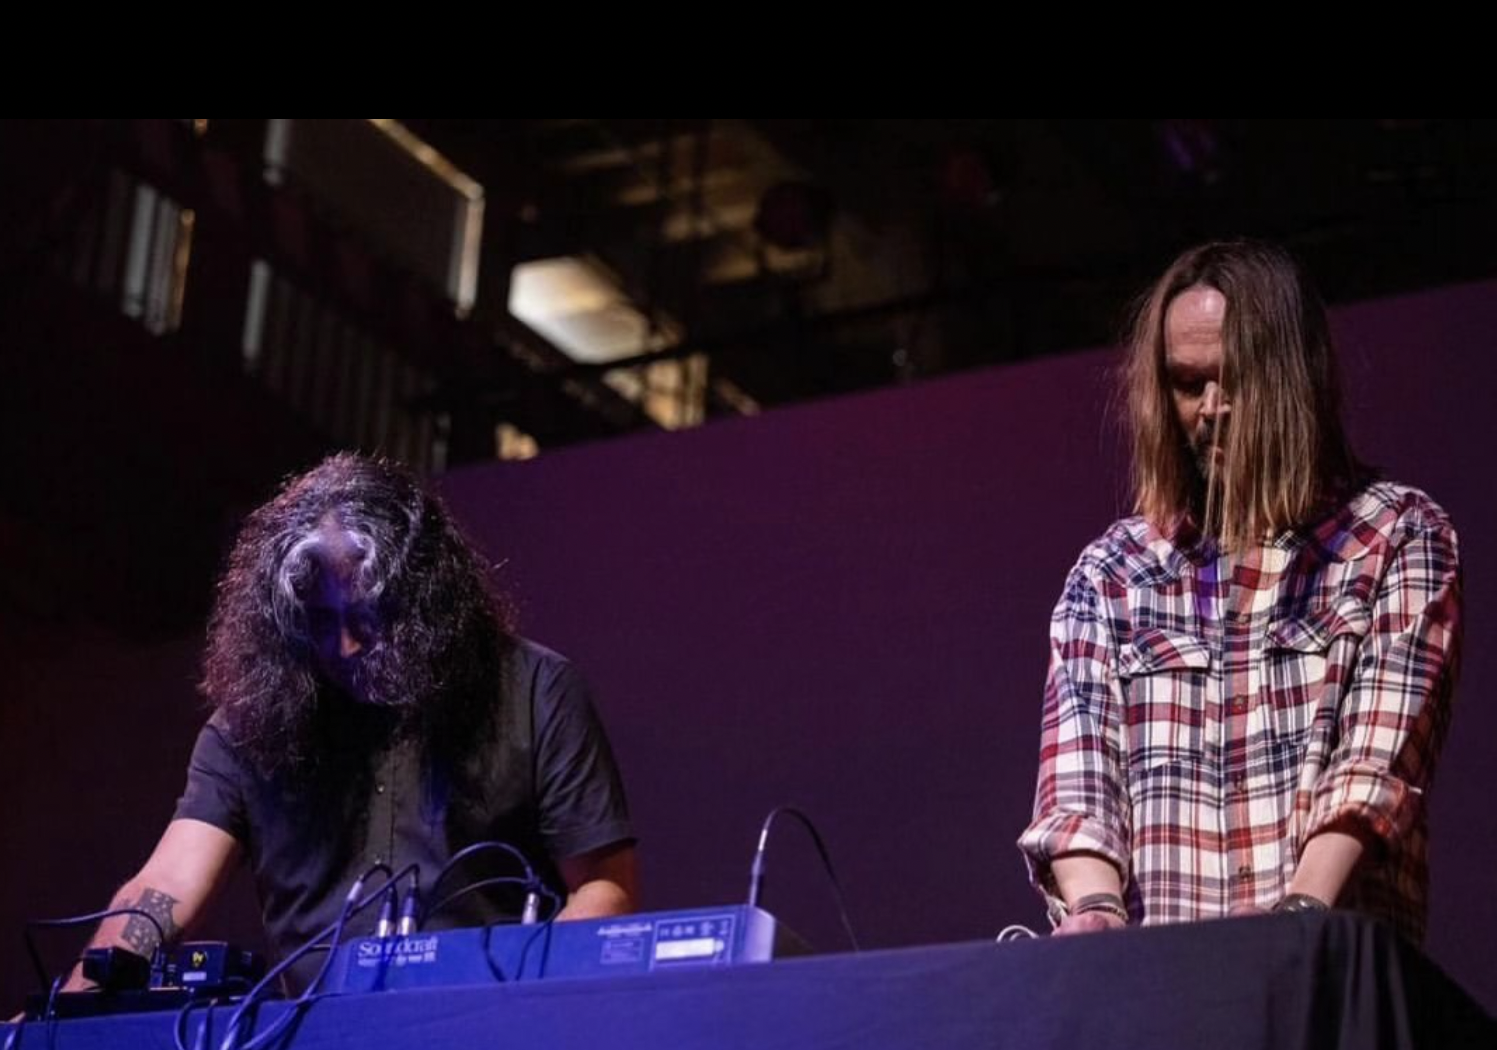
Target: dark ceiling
[923,246]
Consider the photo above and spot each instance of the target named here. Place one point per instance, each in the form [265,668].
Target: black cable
[179,1026]
[49,1014]
[756,870]
[544,927]
[49,1011]
[544,930]
[309,994]
[497,880]
[468,851]
[391,879]
[223,998]
[352,905]
[81,920]
[384,925]
[201,1042]
[293,1012]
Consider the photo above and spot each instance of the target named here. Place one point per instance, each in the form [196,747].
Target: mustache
[1210,433]
[1199,447]
[375,678]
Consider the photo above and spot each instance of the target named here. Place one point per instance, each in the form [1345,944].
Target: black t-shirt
[539,775]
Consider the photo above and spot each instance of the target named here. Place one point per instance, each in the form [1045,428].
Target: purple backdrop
[842,606]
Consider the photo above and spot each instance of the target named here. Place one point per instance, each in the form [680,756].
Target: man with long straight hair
[1250,678]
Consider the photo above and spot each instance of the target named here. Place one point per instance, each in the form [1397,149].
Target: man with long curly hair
[373,706]
[1249,679]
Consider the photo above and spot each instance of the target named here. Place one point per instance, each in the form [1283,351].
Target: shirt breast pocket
[1308,661]
[1164,676]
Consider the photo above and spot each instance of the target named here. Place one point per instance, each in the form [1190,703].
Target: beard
[375,679]
[1208,452]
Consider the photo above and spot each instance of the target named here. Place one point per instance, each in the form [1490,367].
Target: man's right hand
[187,868]
[1083,877]
[76,982]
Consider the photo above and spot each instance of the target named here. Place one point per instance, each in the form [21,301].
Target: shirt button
[1245,872]
[1239,705]
[379,789]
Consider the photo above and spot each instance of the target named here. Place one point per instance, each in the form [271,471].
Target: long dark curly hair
[444,632]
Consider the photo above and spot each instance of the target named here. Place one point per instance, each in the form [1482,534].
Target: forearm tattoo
[139,934]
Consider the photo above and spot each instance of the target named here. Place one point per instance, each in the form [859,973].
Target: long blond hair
[1285,451]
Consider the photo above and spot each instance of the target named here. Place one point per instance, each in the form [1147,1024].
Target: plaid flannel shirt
[1206,715]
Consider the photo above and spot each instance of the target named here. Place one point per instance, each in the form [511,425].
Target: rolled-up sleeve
[1081,799]
[1394,713]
